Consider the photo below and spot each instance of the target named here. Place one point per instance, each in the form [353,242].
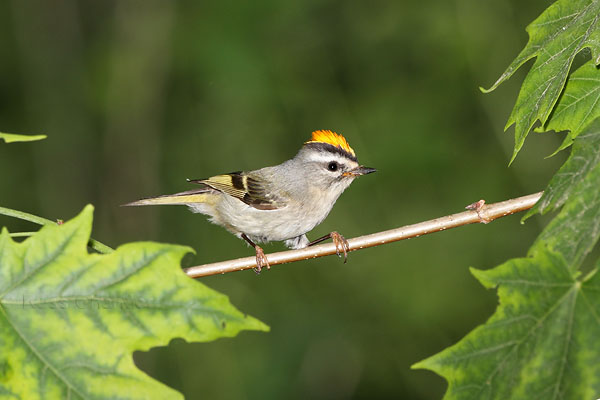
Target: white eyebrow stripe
[327,157]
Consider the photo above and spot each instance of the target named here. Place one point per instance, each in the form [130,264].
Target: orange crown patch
[332,138]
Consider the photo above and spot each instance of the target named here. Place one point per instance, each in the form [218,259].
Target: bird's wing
[244,187]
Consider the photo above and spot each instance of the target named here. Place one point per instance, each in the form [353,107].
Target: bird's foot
[261,260]
[341,245]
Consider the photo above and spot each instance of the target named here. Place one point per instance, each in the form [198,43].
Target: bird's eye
[332,166]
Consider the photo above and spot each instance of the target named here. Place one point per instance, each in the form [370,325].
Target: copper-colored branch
[481,213]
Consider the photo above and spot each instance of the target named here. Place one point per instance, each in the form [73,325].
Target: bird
[277,203]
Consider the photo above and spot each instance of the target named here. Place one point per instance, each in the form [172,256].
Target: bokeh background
[137,96]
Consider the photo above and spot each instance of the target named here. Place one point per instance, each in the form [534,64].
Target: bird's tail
[189,197]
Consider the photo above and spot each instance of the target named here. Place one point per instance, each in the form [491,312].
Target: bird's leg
[341,244]
[261,259]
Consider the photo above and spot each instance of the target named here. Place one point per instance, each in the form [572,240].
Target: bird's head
[329,162]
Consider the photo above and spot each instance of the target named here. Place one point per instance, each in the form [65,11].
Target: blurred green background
[137,96]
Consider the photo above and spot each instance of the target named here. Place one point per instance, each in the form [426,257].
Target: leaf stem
[483,214]
[21,234]
[25,216]
[94,244]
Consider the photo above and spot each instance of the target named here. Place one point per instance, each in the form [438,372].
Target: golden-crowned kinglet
[279,203]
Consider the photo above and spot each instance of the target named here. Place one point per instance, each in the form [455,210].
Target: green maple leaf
[555,38]
[70,320]
[578,105]
[542,341]
[576,177]
[12,137]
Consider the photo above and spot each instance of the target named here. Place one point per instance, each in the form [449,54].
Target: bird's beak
[360,170]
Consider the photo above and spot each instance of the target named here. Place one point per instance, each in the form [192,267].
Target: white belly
[291,221]
[262,225]
[268,225]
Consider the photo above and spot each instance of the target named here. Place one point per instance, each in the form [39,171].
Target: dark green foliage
[542,340]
